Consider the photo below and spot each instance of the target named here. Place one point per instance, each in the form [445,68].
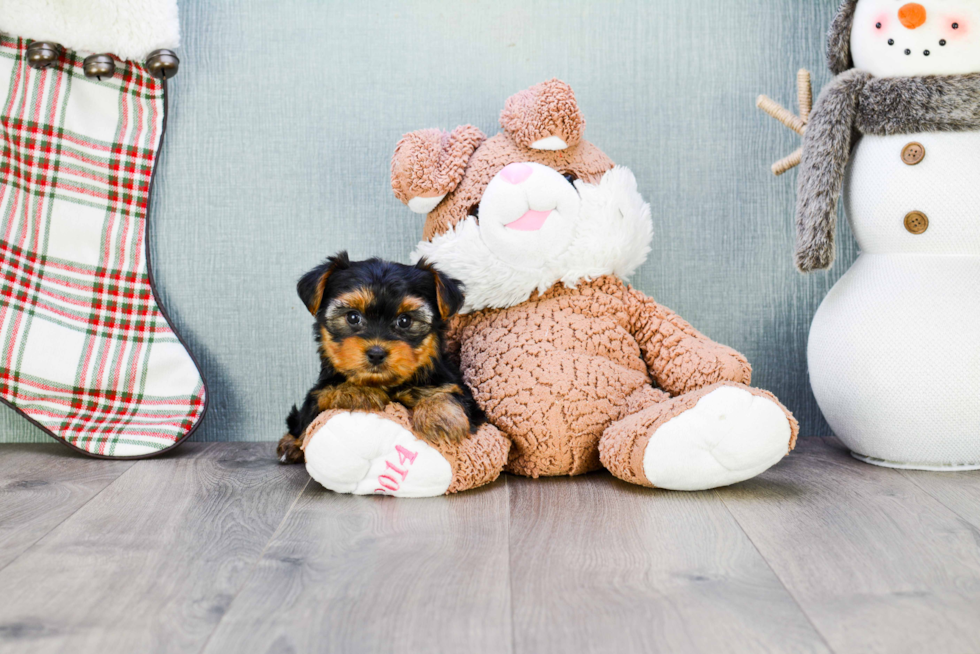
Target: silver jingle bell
[99,66]
[41,54]
[163,64]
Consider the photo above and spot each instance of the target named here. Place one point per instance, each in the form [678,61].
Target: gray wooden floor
[216,548]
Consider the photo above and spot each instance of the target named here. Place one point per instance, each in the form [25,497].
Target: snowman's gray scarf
[856,103]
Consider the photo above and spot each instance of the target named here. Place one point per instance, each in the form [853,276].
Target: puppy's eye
[353,318]
[570,178]
[403,321]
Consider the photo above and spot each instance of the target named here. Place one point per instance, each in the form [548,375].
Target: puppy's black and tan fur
[380,329]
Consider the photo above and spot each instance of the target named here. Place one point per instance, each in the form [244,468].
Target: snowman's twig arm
[678,357]
[788,163]
[781,113]
[826,150]
[804,95]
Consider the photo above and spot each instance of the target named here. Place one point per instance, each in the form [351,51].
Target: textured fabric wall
[285,114]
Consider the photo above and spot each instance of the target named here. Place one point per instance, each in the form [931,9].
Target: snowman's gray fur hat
[839,40]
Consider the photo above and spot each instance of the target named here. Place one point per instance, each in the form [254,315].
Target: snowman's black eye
[956,26]
[943,42]
[927,53]
[891,41]
[878,25]
[908,52]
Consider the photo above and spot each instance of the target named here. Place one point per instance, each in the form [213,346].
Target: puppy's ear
[429,164]
[449,291]
[312,285]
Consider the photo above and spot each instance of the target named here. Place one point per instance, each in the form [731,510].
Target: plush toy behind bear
[575,369]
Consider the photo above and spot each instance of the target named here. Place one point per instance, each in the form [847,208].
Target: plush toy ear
[449,291]
[839,39]
[429,163]
[312,285]
[544,117]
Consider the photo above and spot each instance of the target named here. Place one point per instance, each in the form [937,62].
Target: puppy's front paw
[440,417]
[289,450]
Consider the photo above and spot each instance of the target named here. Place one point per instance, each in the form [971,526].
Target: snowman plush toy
[894,350]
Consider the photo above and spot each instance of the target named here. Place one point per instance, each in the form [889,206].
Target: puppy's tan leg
[352,398]
[438,415]
[290,449]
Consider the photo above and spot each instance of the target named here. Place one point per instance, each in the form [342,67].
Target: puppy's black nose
[376,354]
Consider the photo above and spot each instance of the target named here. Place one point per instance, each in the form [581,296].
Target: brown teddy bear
[575,369]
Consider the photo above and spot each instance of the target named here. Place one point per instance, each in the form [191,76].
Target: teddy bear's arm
[680,358]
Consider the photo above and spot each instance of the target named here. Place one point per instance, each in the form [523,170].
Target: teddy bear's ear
[429,163]
[544,117]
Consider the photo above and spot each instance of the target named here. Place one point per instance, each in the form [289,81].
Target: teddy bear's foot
[367,454]
[715,437]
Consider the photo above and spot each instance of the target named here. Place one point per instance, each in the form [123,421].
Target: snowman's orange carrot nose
[912,15]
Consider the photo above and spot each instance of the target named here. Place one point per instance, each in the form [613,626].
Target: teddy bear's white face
[537,228]
[529,214]
[895,38]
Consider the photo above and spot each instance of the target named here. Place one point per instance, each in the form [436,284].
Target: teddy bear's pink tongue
[531,221]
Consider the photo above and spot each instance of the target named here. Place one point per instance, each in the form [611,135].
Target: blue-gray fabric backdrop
[285,114]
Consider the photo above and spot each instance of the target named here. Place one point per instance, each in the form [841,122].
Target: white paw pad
[729,436]
[366,454]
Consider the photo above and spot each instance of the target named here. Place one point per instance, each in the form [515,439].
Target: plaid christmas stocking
[86,352]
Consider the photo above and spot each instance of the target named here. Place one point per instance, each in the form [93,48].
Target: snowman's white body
[894,350]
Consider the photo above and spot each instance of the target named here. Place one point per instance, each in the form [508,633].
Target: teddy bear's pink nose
[516,173]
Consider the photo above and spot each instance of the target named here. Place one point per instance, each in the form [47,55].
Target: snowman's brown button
[913,153]
[916,222]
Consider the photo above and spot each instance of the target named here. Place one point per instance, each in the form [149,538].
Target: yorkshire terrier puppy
[380,329]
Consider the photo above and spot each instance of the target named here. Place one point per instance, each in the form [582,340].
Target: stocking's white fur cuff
[129,29]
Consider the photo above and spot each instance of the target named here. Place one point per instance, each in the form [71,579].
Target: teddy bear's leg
[716,436]
[377,453]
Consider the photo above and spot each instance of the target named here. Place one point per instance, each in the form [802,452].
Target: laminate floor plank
[219,548]
[151,563]
[598,565]
[352,574]
[40,486]
[957,491]
[876,563]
